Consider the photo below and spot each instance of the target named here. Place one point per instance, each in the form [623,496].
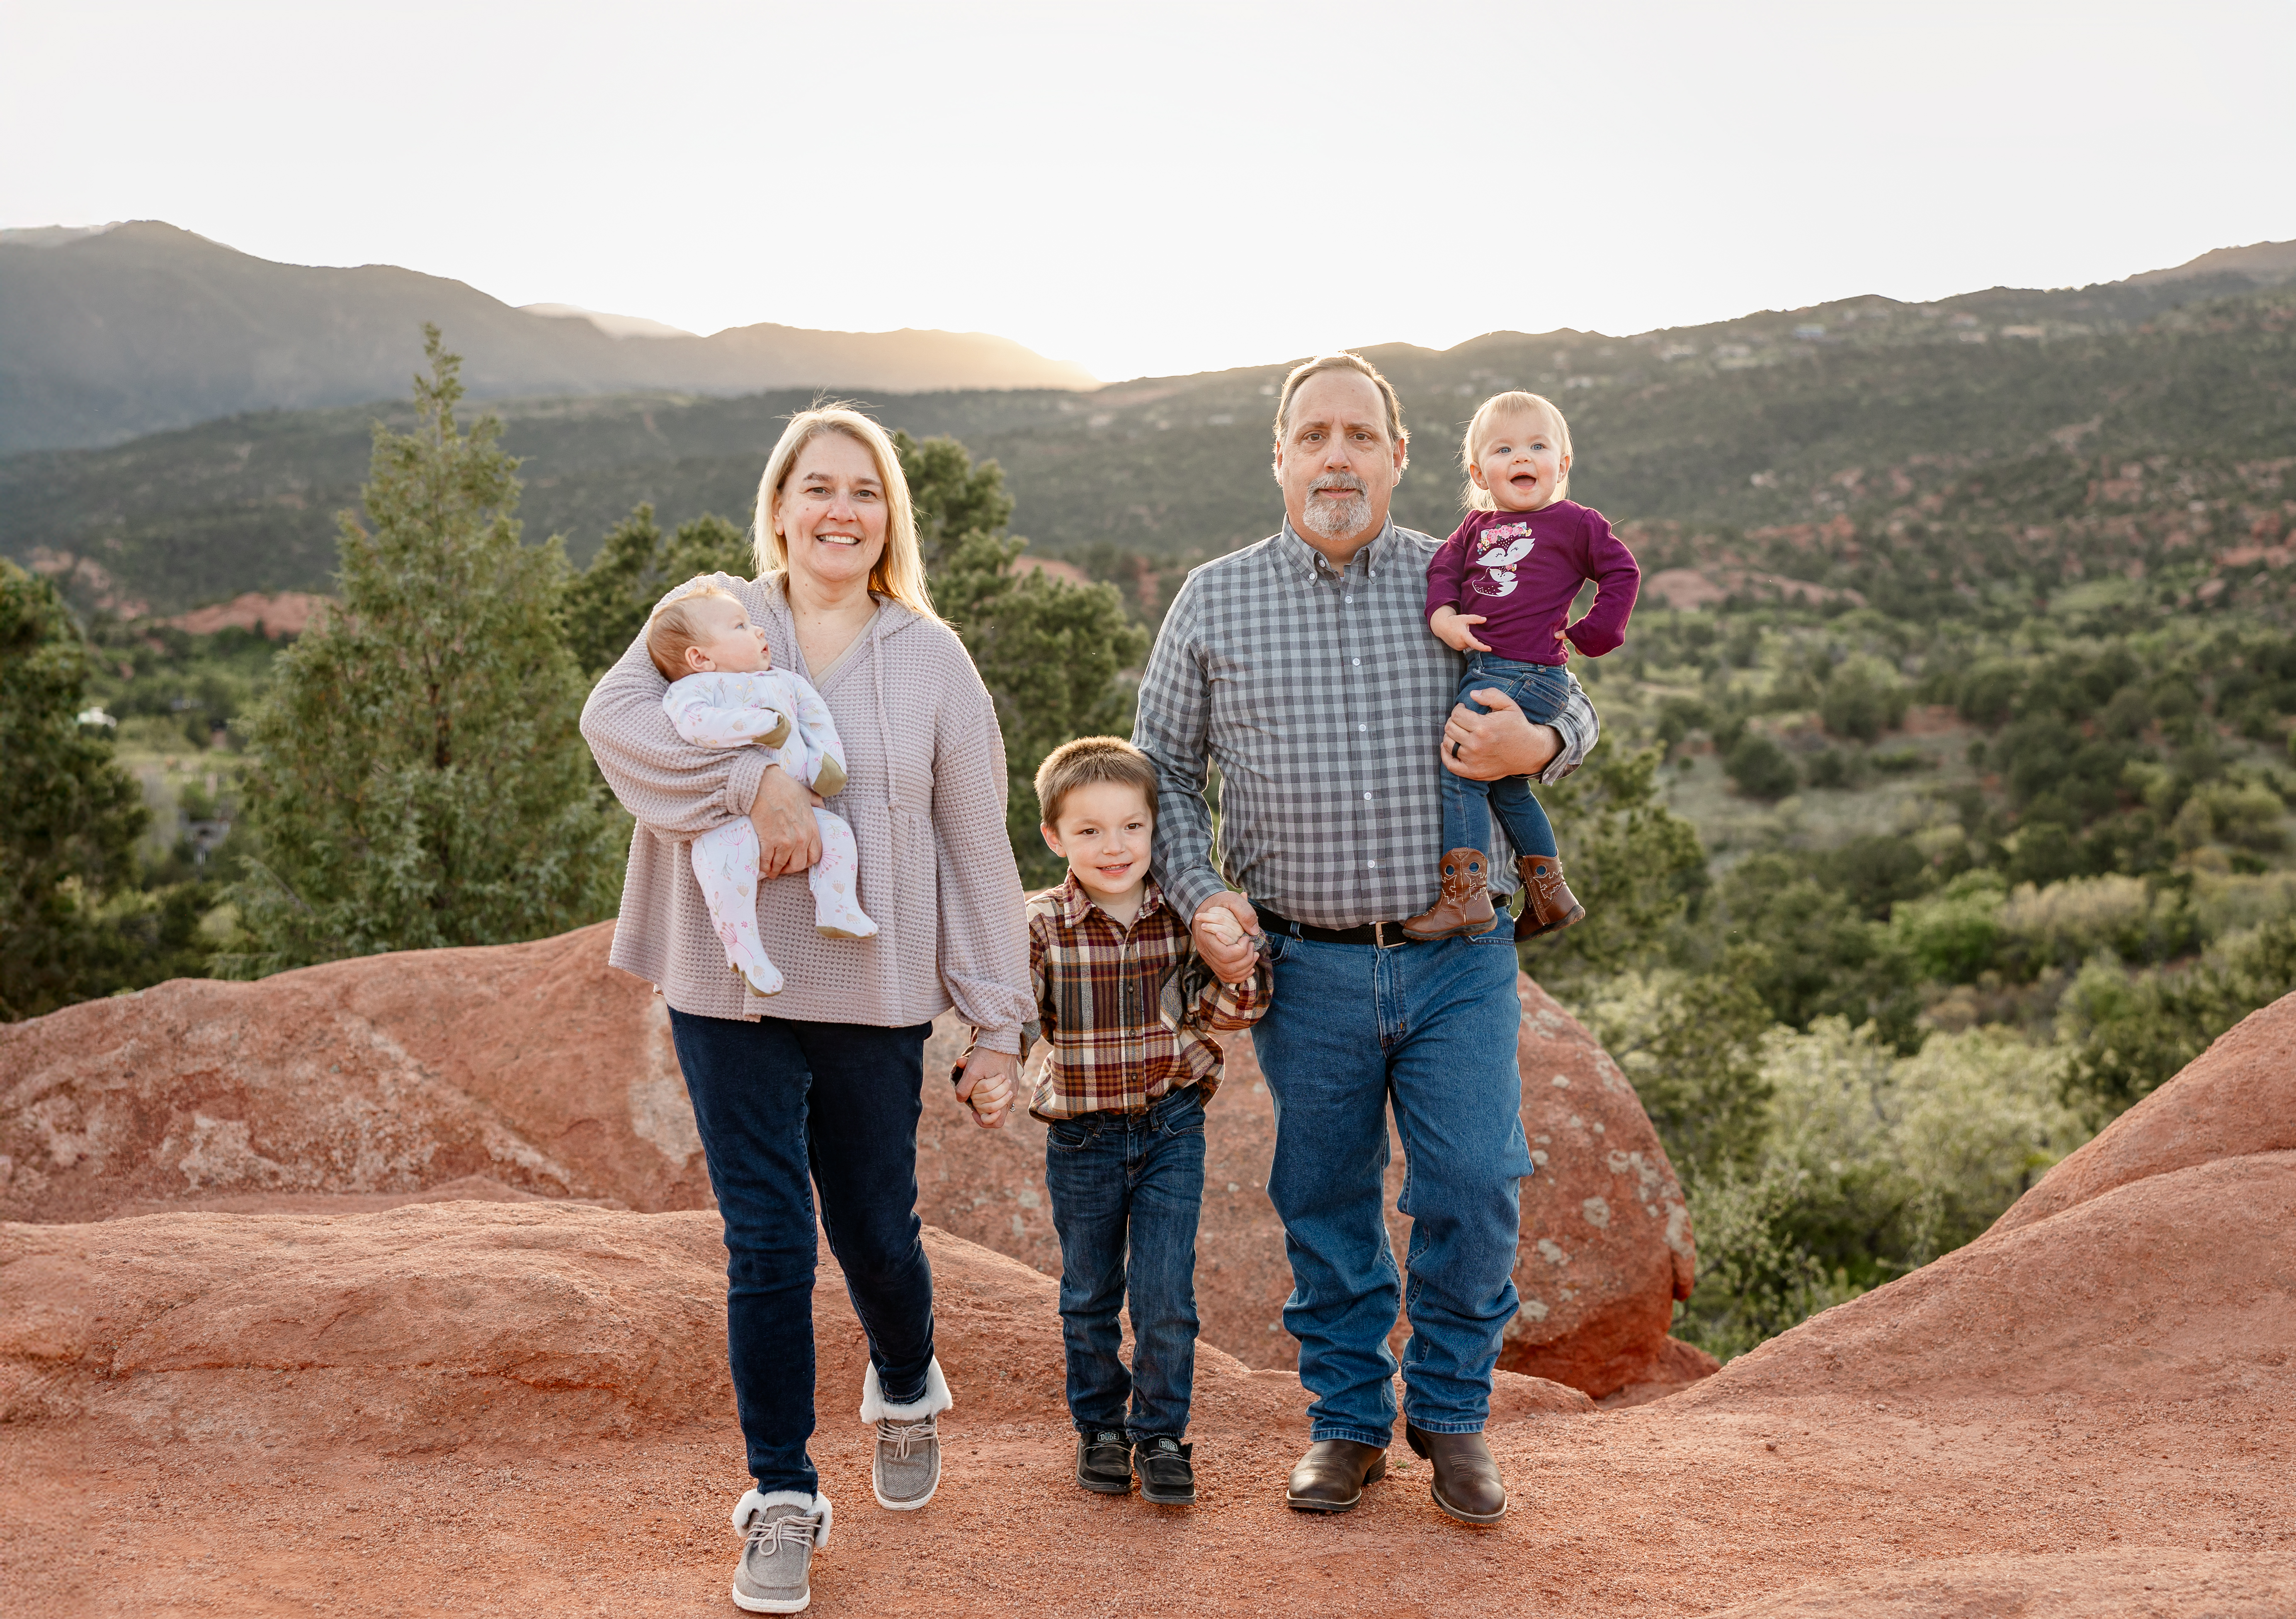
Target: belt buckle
[1379,936]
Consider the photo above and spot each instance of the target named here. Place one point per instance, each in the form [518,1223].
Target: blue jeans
[1431,1029]
[1540,690]
[771,1134]
[1126,1189]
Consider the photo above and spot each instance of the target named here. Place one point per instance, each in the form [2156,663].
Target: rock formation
[537,1069]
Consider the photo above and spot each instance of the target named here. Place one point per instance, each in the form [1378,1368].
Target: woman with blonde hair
[822,1084]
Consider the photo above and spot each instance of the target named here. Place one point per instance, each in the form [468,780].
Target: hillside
[1802,443]
[105,335]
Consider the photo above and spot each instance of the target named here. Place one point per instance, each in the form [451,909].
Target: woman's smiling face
[831,511]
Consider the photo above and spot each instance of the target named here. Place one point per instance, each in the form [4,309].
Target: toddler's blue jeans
[1540,690]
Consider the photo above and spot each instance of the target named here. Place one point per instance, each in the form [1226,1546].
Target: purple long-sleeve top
[1522,570]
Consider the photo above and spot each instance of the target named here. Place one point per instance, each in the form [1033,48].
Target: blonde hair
[1395,432]
[1516,403]
[674,627]
[898,573]
[1086,762]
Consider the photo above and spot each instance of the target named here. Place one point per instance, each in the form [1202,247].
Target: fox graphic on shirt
[1501,548]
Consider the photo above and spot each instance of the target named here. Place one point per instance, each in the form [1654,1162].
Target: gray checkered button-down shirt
[1321,695]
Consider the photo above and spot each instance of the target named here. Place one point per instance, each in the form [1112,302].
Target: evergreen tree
[1053,655]
[69,815]
[606,604]
[419,779]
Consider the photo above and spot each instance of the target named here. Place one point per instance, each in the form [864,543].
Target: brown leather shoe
[1466,1478]
[1548,905]
[1331,1476]
[1466,905]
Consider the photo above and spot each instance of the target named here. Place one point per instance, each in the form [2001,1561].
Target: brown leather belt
[1385,935]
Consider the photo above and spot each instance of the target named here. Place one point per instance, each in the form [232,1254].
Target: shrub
[1758,767]
[1952,935]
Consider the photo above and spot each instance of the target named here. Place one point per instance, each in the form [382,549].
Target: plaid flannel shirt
[1127,1009]
[1320,694]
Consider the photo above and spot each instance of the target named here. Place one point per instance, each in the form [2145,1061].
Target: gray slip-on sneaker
[905,1469]
[780,1533]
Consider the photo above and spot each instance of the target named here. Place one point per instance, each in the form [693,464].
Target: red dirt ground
[465,1407]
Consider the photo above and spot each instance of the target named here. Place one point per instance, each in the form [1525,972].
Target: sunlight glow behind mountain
[1166,189]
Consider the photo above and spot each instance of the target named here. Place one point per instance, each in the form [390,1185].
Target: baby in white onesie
[724,693]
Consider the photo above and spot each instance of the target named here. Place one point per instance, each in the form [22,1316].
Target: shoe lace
[906,1436]
[768,1535]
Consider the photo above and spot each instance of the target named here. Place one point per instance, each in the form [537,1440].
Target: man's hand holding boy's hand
[1227,931]
[1452,628]
[987,1084]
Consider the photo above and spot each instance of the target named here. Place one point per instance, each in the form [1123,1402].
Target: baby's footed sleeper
[726,864]
[781,711]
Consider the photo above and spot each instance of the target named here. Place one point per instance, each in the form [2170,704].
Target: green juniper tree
[69,815]
[1052,653]
[606,604]
[419,780]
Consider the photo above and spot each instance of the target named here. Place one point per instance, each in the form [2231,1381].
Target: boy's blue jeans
[1429,1029]
[784,1106]
[1126,1189]
[1540,690]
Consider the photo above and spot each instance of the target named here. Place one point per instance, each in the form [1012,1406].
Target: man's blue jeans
[784,1107]
[1126,1190]
[1431,1028]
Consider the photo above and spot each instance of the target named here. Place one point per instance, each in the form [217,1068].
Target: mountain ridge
[106,335]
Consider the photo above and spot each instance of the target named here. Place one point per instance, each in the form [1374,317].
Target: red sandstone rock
[2238,1097]
[533,1066]
[1677,1365]
[538,1069]
[2172,1286]
[535,1070]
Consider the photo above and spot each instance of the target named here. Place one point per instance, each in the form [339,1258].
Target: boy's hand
[988,1082]
[1451,626]
[1227,934]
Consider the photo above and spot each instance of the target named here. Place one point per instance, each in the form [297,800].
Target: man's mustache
[1336,481]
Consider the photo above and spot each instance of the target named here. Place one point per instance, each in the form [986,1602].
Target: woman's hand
[1505,742]
[991,1080]
[788,837]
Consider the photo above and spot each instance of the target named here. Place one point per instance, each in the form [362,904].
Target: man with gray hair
[1303,668]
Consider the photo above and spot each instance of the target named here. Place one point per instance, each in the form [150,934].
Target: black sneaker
[1166,1477]
[1105,1462]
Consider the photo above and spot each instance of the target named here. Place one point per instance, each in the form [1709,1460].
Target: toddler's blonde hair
[675,626]
[1511,404]
[1086,762]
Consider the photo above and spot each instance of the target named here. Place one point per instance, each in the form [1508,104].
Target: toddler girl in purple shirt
[1499,590]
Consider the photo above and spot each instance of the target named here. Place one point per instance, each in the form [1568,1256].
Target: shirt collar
[1076,904]
[1296,555]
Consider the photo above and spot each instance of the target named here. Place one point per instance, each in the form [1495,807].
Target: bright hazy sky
[1168,187]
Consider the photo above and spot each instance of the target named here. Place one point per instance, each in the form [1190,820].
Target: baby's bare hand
[1453,629]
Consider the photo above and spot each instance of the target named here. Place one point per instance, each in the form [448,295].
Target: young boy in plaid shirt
[1128,1005]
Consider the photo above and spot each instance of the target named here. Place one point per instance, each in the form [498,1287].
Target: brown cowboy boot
[1467,1484]
[1548,905]
[1466,905]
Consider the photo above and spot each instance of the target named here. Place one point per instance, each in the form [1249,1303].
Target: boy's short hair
[675,626]
[1086,762]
